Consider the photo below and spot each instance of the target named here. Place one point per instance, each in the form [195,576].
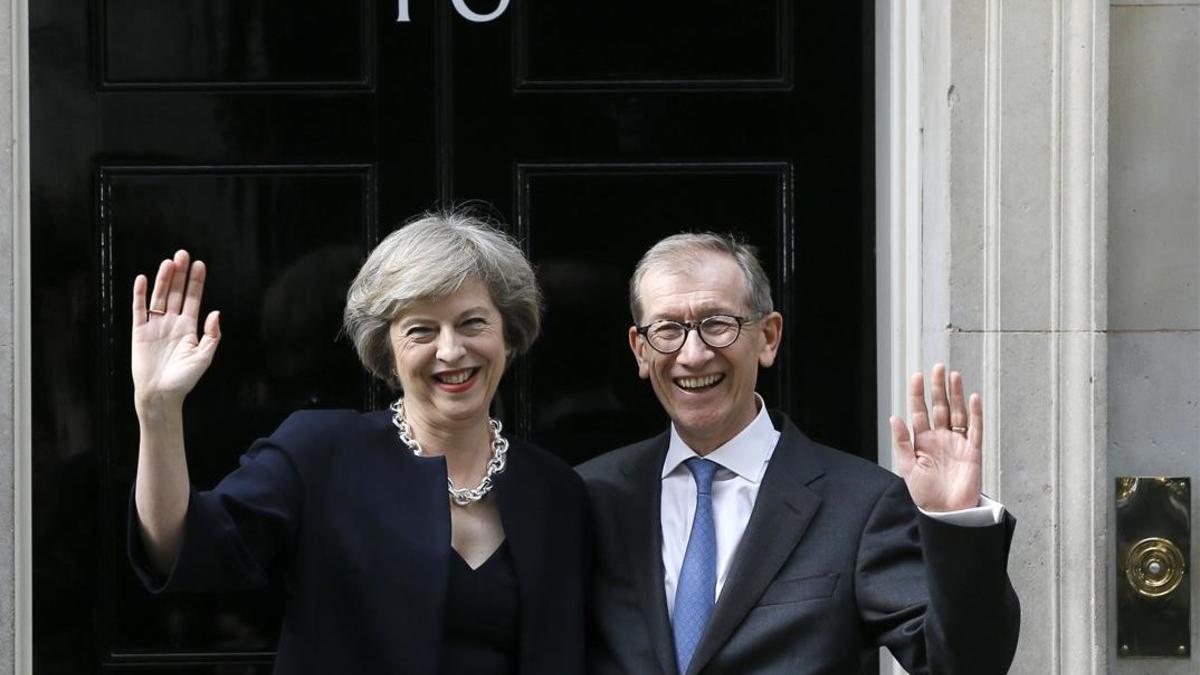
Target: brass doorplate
[1153,566]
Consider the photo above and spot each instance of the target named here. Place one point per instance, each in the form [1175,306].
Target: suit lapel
[640,522]
[782,512]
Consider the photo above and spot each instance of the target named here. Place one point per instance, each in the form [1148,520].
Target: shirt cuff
[989,512]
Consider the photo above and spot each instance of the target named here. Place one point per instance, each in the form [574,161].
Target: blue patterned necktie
[697,589]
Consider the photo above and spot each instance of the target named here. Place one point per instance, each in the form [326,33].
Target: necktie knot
[703,471]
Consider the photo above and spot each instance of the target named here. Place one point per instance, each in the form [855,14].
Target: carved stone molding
[1011,280]
[15,579]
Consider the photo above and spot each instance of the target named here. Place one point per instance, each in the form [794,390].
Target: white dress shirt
[742,464]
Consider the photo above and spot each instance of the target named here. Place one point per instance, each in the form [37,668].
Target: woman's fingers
[212,333]
[162,284]
[179,279]
[212,325]
[139,300]
[195,290]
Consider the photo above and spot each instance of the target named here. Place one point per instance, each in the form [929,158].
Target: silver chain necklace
[495,465]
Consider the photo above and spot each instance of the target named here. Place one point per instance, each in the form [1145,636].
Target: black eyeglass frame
[689,326]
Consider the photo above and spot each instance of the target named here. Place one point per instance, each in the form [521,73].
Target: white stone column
[15,615]
[1013,268]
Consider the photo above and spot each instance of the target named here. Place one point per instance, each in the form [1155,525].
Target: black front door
[279,140]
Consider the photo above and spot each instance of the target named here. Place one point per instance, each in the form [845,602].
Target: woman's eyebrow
[478,309]
[408,321]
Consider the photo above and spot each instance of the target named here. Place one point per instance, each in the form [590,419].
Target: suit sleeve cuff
[989,512]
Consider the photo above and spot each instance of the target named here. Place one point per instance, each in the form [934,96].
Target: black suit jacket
[360,530]
[835,561]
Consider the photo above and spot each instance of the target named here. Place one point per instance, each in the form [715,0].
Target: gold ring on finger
[159,312]
[959,430]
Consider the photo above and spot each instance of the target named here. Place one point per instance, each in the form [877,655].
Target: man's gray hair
[429,258]
[681,253]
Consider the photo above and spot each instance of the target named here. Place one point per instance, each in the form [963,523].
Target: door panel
[626,44]
[163,44]
[585,396]
[279,272]
[279,140]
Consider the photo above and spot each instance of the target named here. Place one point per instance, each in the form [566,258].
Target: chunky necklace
[495,465]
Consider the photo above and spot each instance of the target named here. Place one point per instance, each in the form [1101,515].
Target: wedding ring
[959,430]
[159,312]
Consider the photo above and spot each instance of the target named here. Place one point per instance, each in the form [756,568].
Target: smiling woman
[428,260]
[411,541]
[450,354]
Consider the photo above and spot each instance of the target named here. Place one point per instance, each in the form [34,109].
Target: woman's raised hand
[168,357]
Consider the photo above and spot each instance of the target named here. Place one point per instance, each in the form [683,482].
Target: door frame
[17,640]
[898,216]
[898,189]
[898,56]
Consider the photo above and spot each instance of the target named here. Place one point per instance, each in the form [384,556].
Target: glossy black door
[278,139]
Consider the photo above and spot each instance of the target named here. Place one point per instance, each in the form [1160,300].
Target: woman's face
[450,355]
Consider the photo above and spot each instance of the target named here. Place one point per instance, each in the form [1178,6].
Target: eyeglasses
[716,331]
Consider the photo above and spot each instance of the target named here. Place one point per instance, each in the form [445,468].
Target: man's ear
[638,347]
[772,334]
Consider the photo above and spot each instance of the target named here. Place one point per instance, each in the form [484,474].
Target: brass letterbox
[1153,566]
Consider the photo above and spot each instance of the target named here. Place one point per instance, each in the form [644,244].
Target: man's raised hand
[941,458]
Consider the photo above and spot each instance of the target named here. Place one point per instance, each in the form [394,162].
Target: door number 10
[463,11]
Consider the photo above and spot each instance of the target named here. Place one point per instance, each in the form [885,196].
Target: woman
[416,540]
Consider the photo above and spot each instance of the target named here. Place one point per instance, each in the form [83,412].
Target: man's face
[708,393]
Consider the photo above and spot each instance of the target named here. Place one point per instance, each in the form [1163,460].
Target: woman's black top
[481,617]
[359,531]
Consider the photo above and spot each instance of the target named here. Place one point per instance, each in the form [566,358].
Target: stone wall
[1154,261]
[1013,287]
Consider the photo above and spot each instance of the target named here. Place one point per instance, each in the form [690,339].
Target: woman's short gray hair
[682,253]
[429,258]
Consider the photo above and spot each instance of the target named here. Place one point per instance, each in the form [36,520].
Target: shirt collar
[745,454]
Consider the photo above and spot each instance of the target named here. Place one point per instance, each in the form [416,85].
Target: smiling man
[731,543]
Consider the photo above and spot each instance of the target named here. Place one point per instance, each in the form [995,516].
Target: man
[734,544]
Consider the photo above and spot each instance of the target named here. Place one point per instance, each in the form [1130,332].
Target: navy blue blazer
[360,530]
[835,562]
